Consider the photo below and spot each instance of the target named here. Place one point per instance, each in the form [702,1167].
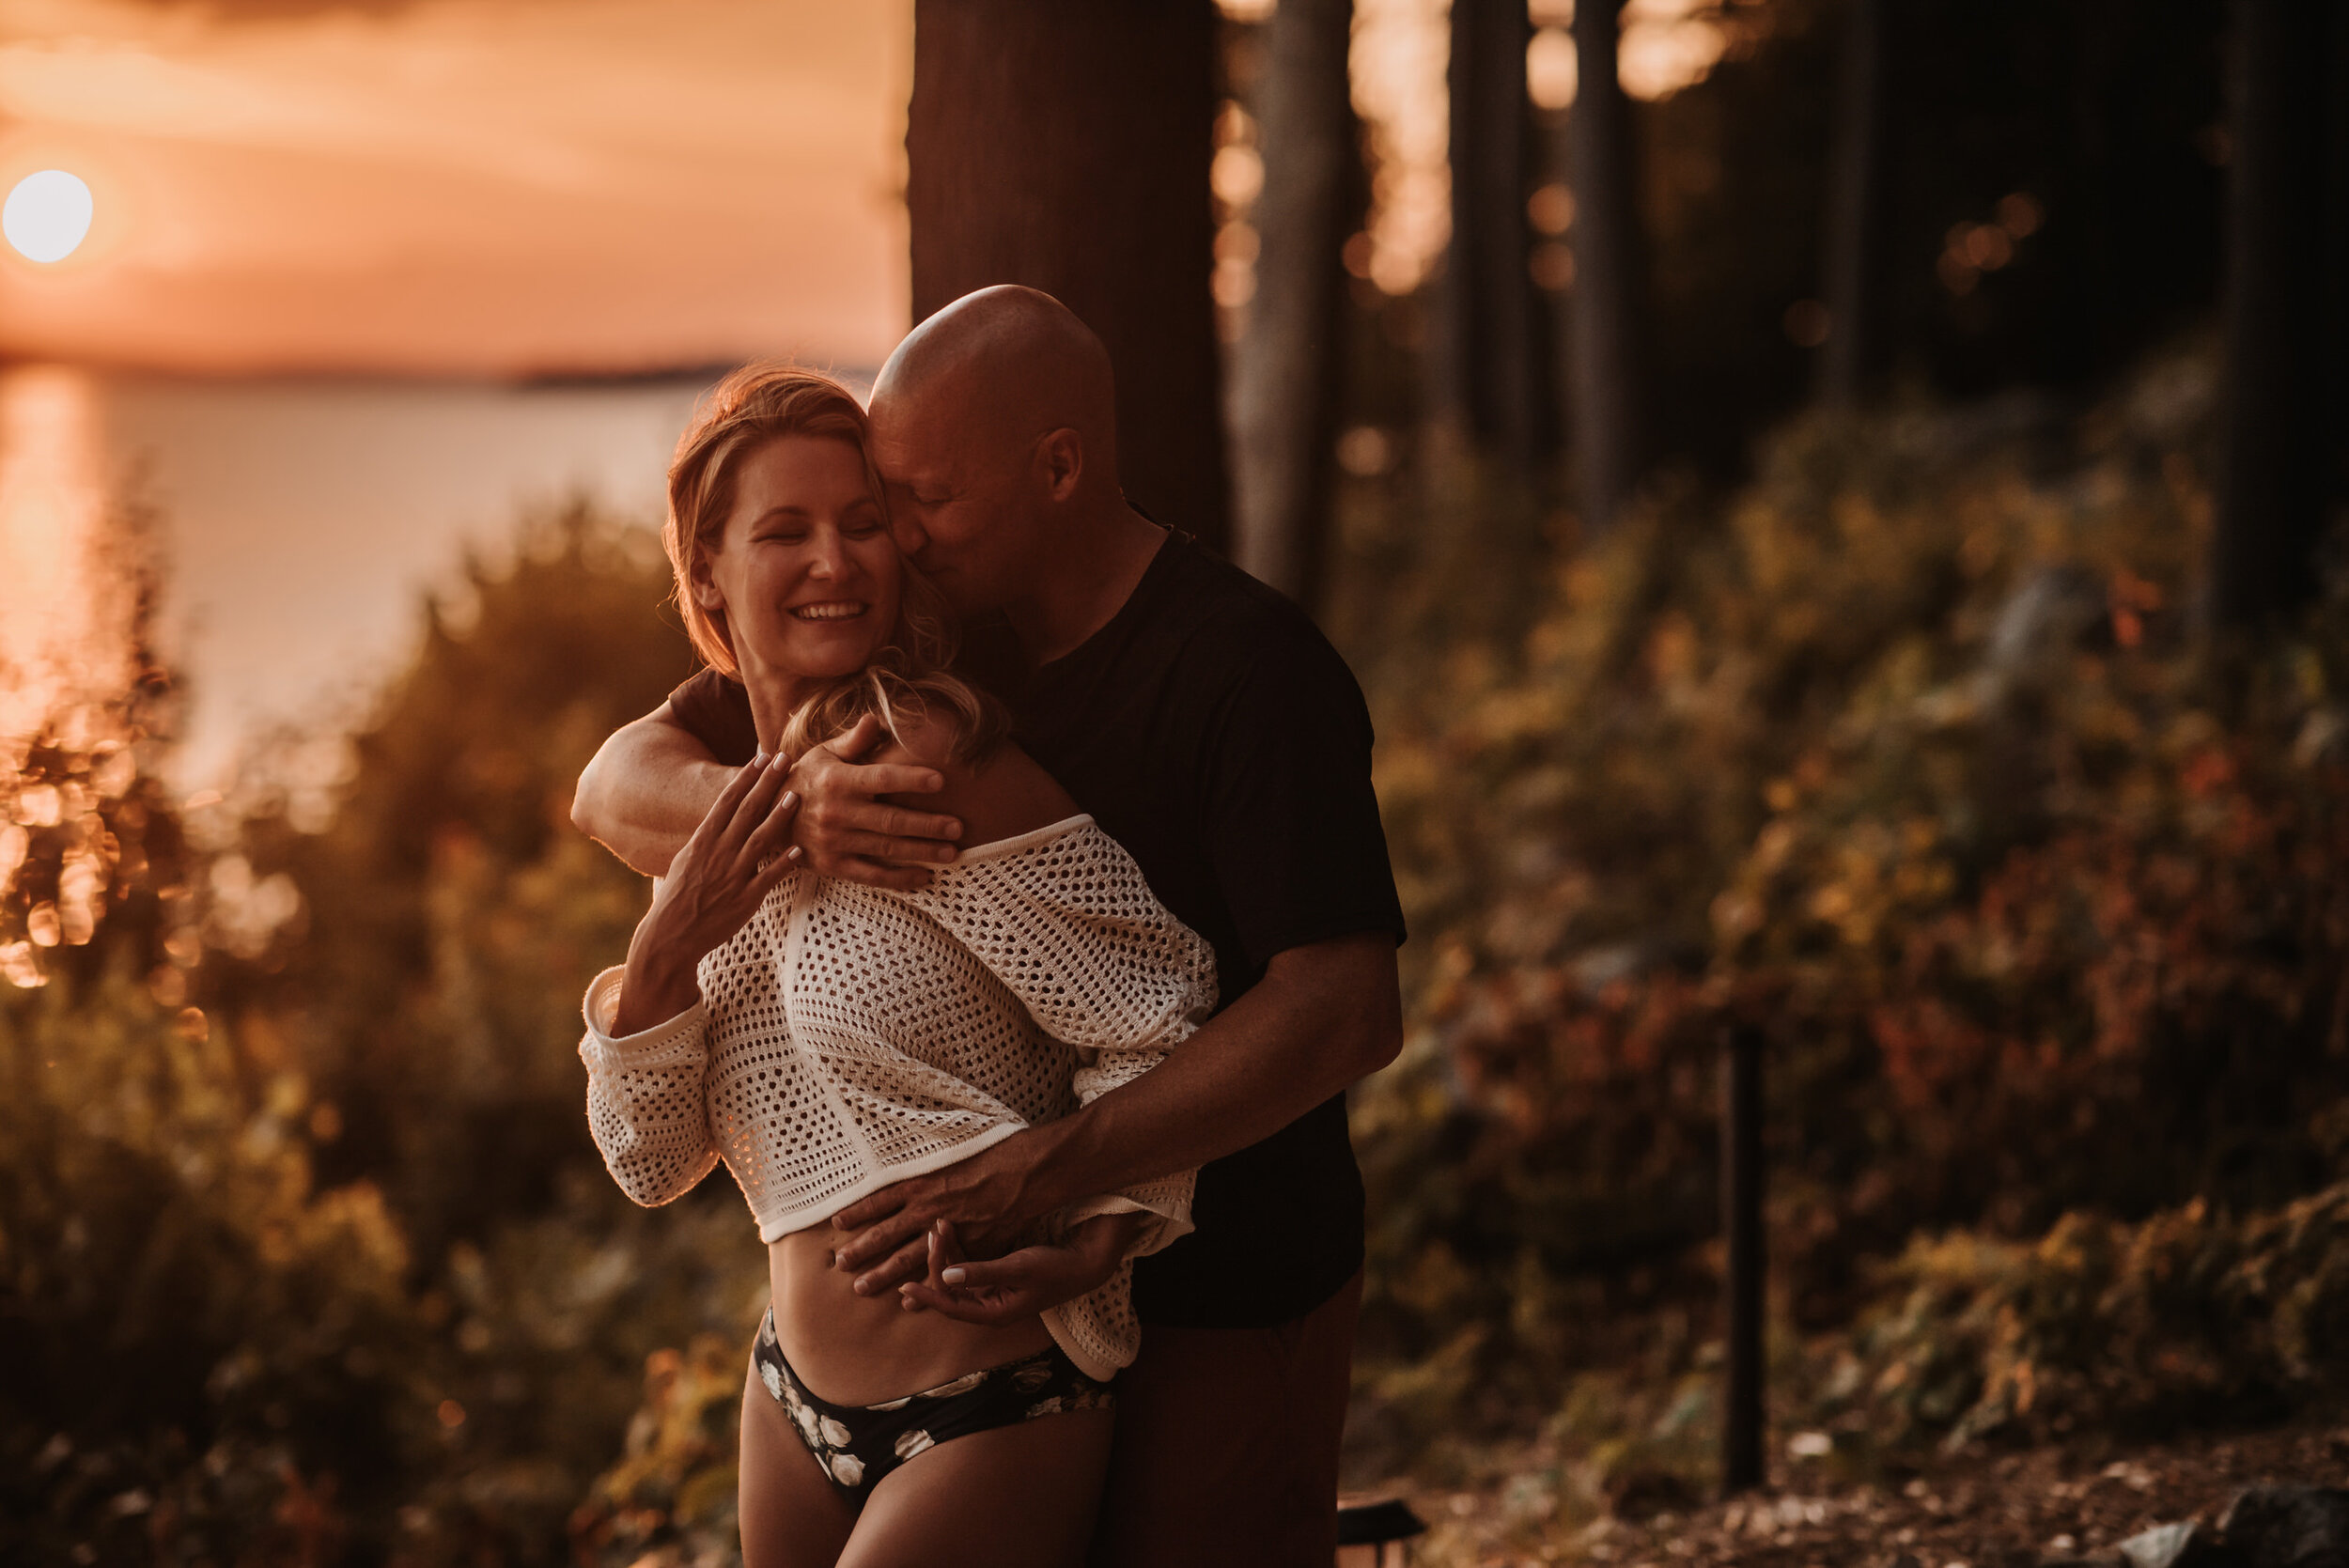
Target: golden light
[47,215]
[1553,70]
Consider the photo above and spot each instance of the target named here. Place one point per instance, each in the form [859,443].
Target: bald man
[1208,727]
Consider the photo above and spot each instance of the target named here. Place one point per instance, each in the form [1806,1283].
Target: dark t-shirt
[1210,728]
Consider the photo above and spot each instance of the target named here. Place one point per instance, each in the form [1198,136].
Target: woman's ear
[707,593]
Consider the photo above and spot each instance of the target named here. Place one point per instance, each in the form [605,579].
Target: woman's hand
[715,884]
[1018,1285]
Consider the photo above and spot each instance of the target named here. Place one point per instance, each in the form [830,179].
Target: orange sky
[470,186]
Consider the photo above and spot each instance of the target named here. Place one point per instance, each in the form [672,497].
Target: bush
[2188,1317]
[1902,753]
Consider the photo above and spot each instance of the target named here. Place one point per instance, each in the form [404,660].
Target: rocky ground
[1977,1510]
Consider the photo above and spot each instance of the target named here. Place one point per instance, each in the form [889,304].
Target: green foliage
[305,1252]
[670,1500]
[2188,1316]
[1902,753]
[195,1335]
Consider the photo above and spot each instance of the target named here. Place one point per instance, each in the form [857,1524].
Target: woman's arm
[643,1049]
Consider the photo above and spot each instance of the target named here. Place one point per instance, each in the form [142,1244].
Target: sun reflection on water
[68,593]
[61,632]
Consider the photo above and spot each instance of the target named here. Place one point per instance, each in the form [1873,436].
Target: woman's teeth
[841,609]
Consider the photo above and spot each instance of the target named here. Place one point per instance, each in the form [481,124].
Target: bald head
[1000,367]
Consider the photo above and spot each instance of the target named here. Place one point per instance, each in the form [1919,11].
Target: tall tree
[1855,348]
[1285,368]
[2274,465]
[1492,366]
[1065,144]
[1608,340]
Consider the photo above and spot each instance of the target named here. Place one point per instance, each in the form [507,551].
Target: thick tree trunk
[1285,368]
[1854,353]
[1065,144]
[1492,359]
[2272,462]
[1607,348]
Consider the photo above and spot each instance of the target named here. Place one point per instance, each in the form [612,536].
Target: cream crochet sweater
[851,1036]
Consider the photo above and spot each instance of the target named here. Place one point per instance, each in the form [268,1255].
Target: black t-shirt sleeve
[1292,822]
[717,712]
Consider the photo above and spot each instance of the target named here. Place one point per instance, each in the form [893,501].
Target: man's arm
[649,786]
[645,790]
[1324,1015]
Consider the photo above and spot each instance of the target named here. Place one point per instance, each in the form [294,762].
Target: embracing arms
[653,781]
[1324,1015]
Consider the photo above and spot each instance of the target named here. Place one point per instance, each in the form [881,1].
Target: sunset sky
[461,186]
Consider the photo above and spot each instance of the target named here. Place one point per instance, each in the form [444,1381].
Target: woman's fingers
[722,811]
[751,806]
[768,835]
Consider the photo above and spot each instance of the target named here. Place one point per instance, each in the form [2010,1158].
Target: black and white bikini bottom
[856,1445]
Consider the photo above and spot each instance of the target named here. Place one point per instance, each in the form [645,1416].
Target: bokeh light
[47,215]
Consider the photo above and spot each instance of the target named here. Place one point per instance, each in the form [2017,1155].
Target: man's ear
[1060,457]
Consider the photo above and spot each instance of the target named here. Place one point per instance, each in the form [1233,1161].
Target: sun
[47,215]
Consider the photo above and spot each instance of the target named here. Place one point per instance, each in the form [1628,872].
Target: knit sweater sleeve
[645,1099]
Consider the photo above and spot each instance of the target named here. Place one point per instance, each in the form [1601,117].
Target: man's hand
[1020,1284]
[987,1198]
[847,831]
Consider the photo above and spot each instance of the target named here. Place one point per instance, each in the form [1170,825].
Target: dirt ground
[1973,1511]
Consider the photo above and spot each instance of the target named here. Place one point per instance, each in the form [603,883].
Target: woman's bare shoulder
[1002,794]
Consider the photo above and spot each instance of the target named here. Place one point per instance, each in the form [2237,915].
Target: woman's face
[804,570]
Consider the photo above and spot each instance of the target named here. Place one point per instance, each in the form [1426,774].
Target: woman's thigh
[792,1517]
[1012,1497]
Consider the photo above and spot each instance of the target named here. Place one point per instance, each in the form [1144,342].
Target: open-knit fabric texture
[850,1036]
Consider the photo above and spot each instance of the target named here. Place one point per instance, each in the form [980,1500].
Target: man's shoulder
[1229,624]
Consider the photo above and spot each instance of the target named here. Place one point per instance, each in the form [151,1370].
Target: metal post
[1741,1225]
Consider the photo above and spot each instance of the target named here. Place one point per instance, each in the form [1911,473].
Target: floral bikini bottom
[856,1445]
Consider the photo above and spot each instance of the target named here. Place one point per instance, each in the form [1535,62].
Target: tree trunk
[1608,347]
[2334,354]
[2273,464]
[1492,365]
[1065,144]
[1854,353]
[1285,368]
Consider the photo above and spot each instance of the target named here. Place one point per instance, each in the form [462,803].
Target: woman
[825,1038]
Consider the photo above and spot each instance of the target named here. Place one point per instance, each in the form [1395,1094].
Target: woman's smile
[832,610]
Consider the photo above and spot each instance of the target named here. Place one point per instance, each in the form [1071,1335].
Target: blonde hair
[911,678]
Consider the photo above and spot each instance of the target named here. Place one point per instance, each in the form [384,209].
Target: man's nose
[907,531]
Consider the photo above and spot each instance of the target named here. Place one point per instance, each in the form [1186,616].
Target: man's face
[960,499]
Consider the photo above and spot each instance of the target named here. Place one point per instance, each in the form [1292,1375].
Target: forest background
[1849,548]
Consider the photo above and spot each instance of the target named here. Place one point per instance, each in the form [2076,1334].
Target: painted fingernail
[952,1276]
[792,854]
[790,798]
[761,760]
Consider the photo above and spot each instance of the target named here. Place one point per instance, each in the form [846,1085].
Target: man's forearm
[644,792]
[1324,1017]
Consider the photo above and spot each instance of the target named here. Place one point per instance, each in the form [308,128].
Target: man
[1208,727]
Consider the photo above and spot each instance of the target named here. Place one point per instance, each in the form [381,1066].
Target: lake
[300,522]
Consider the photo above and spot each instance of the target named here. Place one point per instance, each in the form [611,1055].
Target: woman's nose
[830,556]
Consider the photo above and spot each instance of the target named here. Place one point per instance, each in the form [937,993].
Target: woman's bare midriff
[854,1349]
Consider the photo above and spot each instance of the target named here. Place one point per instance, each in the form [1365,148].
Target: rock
[2181,1545]
[2288,1527]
